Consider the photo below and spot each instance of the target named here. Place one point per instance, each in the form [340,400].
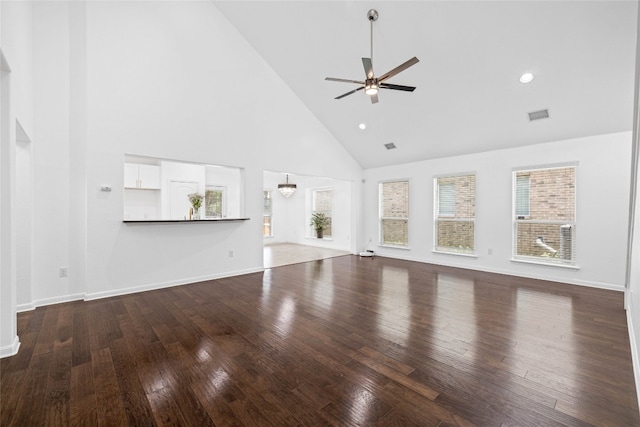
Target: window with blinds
[455,211]
[544,212]
[267,230]
[322,202]
[394,213]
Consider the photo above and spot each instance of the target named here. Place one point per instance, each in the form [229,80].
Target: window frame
[223,200]
[382,218]
[452,217]
[516,220]
[311,231]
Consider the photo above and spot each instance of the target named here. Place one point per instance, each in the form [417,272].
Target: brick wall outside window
[551,217]
[455,230]
[323,202]
[394,213]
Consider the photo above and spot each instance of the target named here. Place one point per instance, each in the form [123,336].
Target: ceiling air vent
[538,115]
[390,146]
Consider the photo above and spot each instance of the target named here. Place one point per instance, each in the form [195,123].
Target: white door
[178,200]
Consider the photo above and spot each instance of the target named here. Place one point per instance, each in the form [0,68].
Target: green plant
[319,221]
[196,200]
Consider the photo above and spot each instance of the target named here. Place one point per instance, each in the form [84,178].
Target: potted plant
[319,221]
[196,201]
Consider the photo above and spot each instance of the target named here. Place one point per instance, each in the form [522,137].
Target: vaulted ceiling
[472,53]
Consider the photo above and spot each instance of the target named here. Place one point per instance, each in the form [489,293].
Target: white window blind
[446,197]
[522,195]
[394,213]
[455,210]
[544,212]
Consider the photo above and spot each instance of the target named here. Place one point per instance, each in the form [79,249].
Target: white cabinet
[141,176]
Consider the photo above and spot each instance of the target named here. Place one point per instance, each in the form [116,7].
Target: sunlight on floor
[289,253]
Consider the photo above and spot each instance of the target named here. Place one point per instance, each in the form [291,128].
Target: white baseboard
[635,357]
[11,349]
[148,287]
[26,307]
[599,285]
[161,285]
[48,301]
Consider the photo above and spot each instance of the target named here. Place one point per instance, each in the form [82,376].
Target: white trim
[561,165]
[546,264]
[25,307]
[169,284]
[329,239]
[456,174]
[387,245]
[589,284]
[635,357]
[10,350]
[57,300]
[465,254]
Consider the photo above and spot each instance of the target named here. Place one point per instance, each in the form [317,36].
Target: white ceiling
[472,53]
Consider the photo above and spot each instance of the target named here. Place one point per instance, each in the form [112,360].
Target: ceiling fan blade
[332,79]
[398,69]
[368,67]
[397,87]
[374,98]
[349,93]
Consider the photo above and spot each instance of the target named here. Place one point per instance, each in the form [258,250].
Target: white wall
[159,79]
[169,80]
[632,297]
[16,106]
[602,208]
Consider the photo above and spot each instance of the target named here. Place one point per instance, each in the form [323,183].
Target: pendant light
[287,189]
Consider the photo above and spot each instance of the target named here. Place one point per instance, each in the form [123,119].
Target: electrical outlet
[490,251]
[64,272]
[231,253]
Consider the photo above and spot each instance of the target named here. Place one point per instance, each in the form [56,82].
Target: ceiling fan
[373,84]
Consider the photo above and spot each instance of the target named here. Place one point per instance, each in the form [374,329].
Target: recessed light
[362,126]
[526,78]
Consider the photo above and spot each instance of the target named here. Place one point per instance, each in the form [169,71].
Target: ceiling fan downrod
[372,16]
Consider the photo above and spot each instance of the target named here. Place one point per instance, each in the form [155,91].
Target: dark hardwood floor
[344,341]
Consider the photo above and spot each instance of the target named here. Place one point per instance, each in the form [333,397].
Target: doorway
[288,236]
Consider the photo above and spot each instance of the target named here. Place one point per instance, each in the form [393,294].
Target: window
[455,210]
[394,213]
[214,203]
[544,214]
[322,202]
[267,230]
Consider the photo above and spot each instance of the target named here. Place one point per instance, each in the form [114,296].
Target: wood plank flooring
[342,341]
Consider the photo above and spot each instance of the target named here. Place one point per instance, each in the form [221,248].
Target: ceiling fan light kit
[371,83]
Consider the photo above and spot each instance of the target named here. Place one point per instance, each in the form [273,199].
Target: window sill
[463,254]
[383,245]
[329,239]
[546,264]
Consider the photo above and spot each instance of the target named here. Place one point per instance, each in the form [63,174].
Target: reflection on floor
[290,253]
